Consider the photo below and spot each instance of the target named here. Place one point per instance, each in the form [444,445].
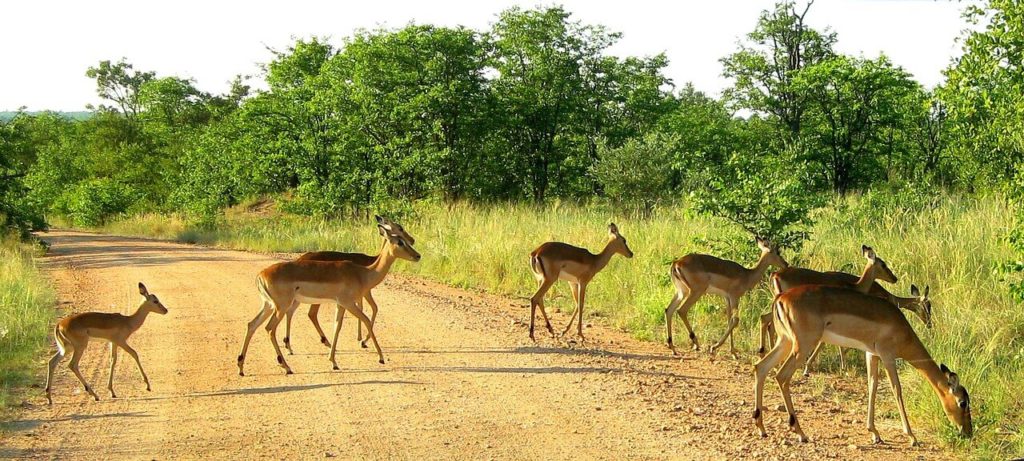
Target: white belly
[842,341]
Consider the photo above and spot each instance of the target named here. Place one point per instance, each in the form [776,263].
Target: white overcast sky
[46,45]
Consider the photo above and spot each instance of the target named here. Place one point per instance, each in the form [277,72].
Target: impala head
[618,241]
[878,267]
[151,303]
[395,228]
[399,245]
[770,252]
[924,305]
[956,402]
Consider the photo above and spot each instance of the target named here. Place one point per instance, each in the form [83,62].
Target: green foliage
[91,202]
[855,103]
[26,313]
[765,67]
[637,175]
[767,196]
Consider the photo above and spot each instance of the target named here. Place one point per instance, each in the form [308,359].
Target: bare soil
[462,380]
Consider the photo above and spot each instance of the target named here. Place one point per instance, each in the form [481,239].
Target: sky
[47,45]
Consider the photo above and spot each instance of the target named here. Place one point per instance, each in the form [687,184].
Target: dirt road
[462,381]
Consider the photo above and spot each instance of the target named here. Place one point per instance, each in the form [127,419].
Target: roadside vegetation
[26,318]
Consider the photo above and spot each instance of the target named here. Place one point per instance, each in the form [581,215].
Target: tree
[854,101]
[120,84]
[539,57]
[984,96]
[780,46]
[766,195]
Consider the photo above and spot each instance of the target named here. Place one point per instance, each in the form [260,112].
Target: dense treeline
[535,108]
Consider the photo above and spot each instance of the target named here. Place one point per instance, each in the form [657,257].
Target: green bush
[92,202]
[637,175]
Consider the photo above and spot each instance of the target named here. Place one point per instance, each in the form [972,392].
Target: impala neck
[755,274]
[867,277]
[604,256]
[918,357]
[136,319]
[380,267]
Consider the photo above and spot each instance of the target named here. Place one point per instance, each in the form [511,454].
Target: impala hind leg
[897,390]
[780,351]
[767,332]
[262,316]
[538,301]
[288,333]
[373,318]
[785,378]
[813,358]
[684,312]
[54,361]
[272,330]
[670,312]
[314,311]
[76,356]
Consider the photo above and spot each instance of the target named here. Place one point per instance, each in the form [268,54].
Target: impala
[283,286]
[876,269]
[358,258]
[810,314]
[696,274]
[74,332]
[556,260]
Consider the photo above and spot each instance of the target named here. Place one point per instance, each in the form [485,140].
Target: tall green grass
[26,315]
[952,244]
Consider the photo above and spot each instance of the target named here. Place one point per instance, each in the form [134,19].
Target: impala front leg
[730,311]
[872,362]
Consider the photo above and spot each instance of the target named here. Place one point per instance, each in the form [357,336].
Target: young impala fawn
[555,261]
[283,286]
[808,315]
[696,274]
[358,258]
[73,333]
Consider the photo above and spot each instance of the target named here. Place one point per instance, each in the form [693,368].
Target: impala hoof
[336,368]
[288,372]
[240,373]
[363,344]
[381,361]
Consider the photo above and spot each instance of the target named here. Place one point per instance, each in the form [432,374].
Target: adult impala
[283,286]
[74,332]
[556,260]
[876,269]
[696,274]
[358,258]
[810,314]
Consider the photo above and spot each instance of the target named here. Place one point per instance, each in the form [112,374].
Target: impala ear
[944,369]
[762,243]
[954,381]
[914,291]
[380,219]
[613,229]
[142,289]
[382,230]
[926,291]
[868,252]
